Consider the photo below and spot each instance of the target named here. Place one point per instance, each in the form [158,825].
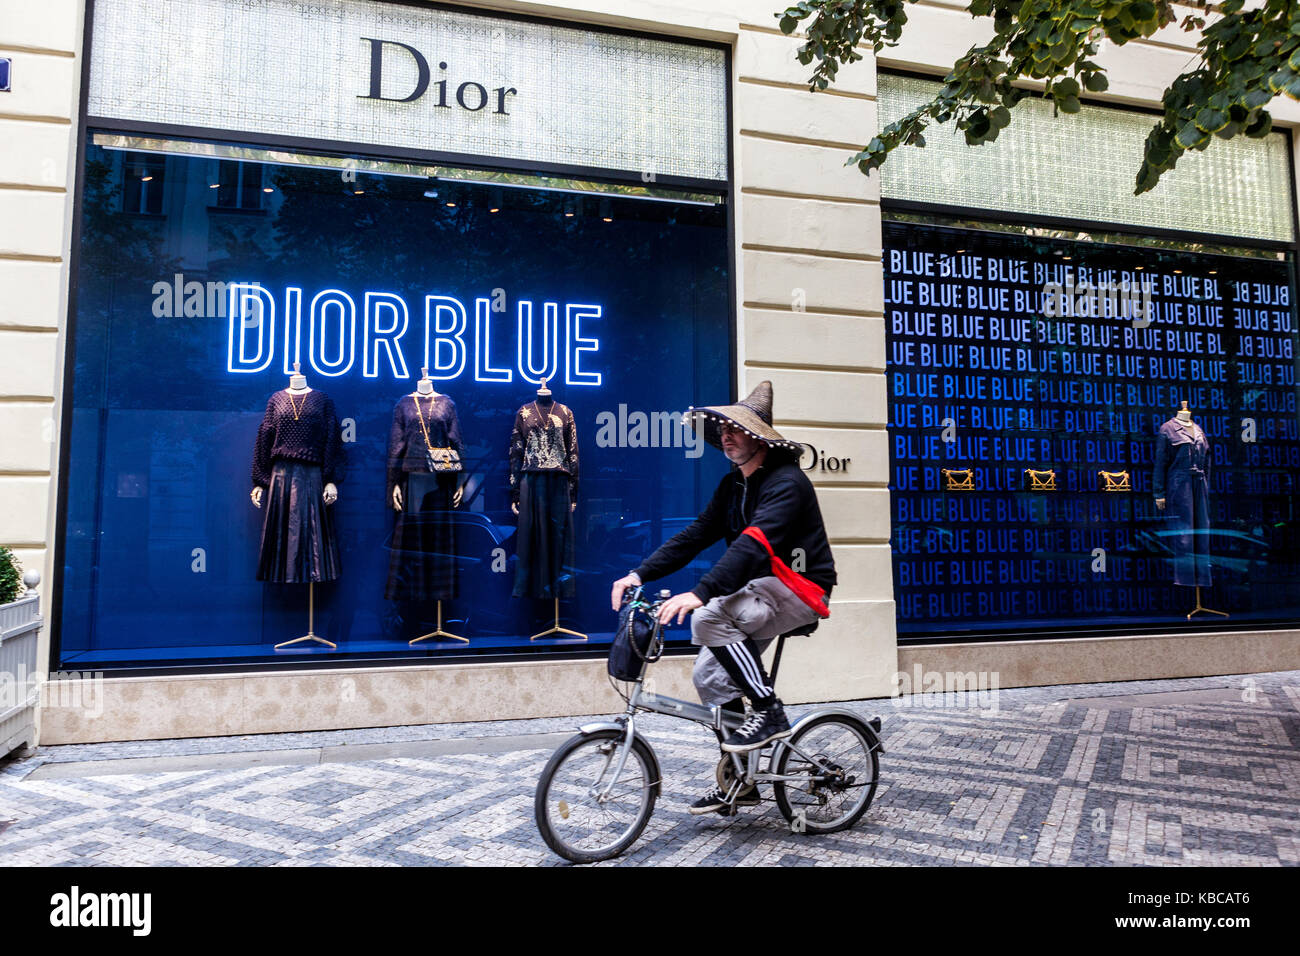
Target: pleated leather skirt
[298,540]
[544,542]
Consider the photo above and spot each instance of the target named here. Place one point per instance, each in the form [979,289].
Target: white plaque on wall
[416,78]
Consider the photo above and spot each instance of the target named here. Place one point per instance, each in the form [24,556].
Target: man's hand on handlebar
[679,605]
[622,584]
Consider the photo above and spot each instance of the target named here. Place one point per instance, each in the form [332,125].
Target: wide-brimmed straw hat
[753,415]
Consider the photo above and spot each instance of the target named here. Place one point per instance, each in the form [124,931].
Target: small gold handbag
[443,459]
[959,479]
[1041,480]
[1115,481]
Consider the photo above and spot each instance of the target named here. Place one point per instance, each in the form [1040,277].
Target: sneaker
[716,800]
[760,728]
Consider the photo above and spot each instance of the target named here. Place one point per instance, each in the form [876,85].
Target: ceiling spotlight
[268,189]
[214,185]
[358,192]
[146,179]
[431,194]
[606,214]
[450,204]
[496,200]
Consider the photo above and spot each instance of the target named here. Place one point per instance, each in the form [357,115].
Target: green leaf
[1189,136]
[1066,86]
[1096,82]
[1255,99]
[1280,80]
[1069,104]
[1142,10]
[1208,120]
[1260,128]
[1000,117]
[788,24]
[1293,60]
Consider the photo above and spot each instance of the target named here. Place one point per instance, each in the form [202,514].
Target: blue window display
[1089,436]
[194,309]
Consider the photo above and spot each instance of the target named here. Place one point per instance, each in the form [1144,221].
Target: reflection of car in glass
[632,543]
[1228,549]
[478,535]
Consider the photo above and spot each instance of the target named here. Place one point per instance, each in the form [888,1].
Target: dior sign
[358,74]
[469,95]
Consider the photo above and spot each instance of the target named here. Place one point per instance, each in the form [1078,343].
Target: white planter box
[20,625]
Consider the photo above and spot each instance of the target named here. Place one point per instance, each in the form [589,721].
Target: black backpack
[631,649]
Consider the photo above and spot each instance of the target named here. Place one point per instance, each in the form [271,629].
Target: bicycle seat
[800,631]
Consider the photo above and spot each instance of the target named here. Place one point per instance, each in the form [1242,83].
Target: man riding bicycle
[766,510]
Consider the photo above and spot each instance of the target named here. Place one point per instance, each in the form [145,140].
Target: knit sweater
[406,439]
[312,435]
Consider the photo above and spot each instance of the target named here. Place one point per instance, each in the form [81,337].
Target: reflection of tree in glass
[120,258]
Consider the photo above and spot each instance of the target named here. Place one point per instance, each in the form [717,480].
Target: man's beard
[738,456]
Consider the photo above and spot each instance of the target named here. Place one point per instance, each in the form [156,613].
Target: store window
[1089,432]
[364,272]
[239,185]
[143,178]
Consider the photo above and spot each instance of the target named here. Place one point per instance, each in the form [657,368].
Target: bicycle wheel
[575,816]
[836,756]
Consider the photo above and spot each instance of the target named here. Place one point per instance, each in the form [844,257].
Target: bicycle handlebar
[635,596]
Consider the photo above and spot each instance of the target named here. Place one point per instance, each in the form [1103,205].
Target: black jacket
[780,500]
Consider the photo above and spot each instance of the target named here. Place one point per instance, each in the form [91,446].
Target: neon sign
[331,341]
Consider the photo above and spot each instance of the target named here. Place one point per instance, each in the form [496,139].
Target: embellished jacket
[545,442]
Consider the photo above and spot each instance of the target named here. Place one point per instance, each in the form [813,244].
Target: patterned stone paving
[1037,780]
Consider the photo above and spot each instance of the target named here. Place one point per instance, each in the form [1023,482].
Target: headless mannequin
[298,386]
[544,403]
[1184,417]
[424,389]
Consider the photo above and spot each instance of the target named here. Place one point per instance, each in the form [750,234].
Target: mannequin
[424,389]
[424,481]
[297,458]
[298,386]
[1180,482]
[545,402]
[543,491]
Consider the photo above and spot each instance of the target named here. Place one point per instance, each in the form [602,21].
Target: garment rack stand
[1201,609]
[438,633]
[311,622]
[556,629]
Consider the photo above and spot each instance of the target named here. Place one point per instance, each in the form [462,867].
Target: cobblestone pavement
[1203,771]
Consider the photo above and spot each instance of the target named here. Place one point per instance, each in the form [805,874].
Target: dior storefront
[354,374]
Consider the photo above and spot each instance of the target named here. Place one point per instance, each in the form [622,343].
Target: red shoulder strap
[807,591]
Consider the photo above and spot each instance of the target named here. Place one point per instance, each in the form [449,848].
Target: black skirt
[544,542]
[422,559]
[298,540]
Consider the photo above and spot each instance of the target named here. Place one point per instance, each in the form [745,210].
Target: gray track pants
[762,610]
